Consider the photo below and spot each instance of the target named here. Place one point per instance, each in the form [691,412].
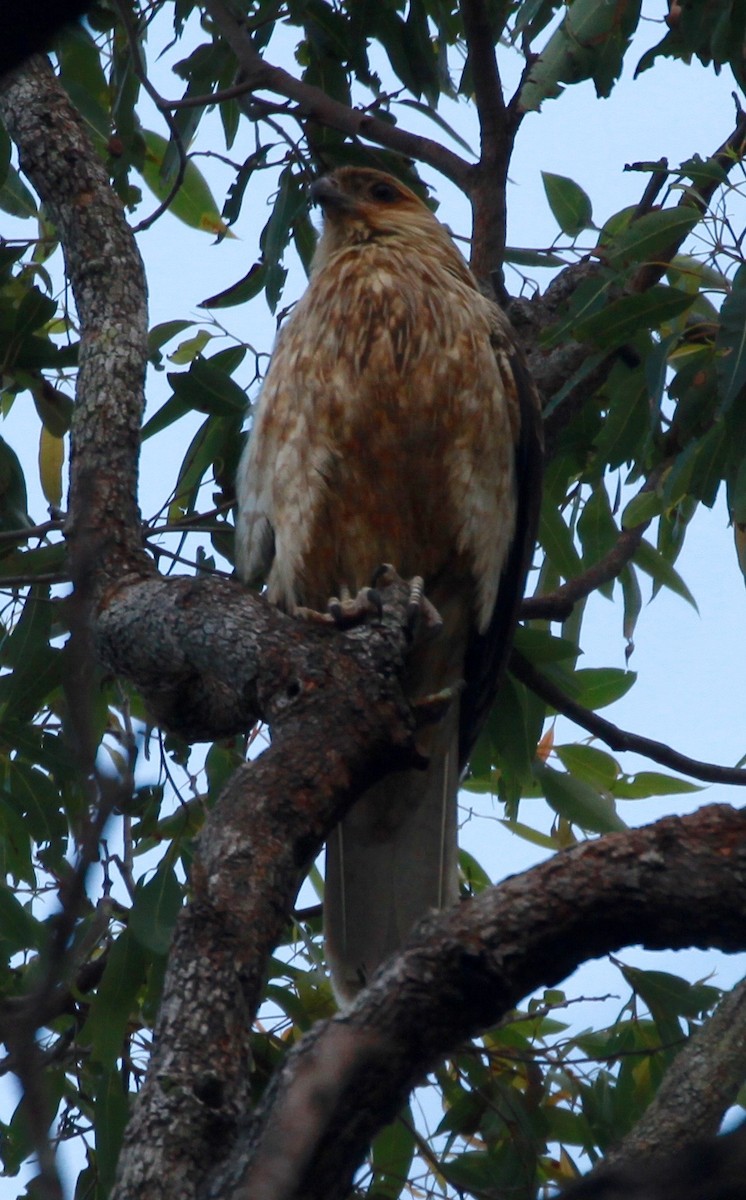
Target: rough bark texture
[680,882]
[108,283]
[711,1169]
[332,737]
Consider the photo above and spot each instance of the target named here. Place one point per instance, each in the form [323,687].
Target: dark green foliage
[661,322]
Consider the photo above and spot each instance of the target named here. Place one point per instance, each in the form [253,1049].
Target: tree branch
[616,738]
[313,102]
[679,882]
[108,282]
[557,605]
[487,180]
[699,1087]
[339,723]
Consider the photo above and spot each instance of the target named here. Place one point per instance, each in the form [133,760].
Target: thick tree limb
[680,882]
[339,723]
[108,282]
[620,739]
[711,1169]
[497,128]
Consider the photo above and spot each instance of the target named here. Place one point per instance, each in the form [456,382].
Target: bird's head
[362,205]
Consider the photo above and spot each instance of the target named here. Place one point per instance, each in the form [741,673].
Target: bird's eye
[383,192]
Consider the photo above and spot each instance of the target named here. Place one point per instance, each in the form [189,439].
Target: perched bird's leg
[419,607]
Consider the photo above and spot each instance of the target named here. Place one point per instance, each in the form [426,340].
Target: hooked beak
[327,195]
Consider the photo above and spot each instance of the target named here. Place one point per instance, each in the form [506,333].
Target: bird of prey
[396,424]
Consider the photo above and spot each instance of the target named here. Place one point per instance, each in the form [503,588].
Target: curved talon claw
[345,610]
[384,574]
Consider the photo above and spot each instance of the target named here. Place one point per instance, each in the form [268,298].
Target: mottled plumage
[386,432]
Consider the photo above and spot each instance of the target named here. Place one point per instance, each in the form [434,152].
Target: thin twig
[313,102]
[138,64]
[616,738]
[731,151]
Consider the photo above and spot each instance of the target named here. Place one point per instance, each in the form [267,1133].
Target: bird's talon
[346,610]
[375,601]
[428,710]
[384,575]
[312,615]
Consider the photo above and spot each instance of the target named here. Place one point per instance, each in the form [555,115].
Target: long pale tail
[391,859]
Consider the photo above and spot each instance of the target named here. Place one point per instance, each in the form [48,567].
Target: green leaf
[651,237]
[669,995]
[246,288]
[521,830]
[590,43]
[522,257]
[33,795]
[540,646]
[216,441]
[589,298]
[110,1113]
[508,740]
[13,499]
[472,1171]
[632,603]
[160,334]
[108,1017]
[208,389]
[193,203]
[652,562]
[15,845]
[188,350]
[619,321]
[15,198]
[577,802]
[433,115]
[392,1153]
[730,343]
[571,207]
[557,541]
[290,201]
[596,527]
[642,509]
[593,687]
[652,783]
[18,928]
[594,766]
[472,873]
[156,906]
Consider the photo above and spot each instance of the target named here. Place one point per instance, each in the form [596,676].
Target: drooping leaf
[590,764]
[51,462]
[193,203]
[392,1152]
[652,783]
[578,802]
[590,43]
[650,237]
[108,1016]
[155,909]
[570,205]
[730,343]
